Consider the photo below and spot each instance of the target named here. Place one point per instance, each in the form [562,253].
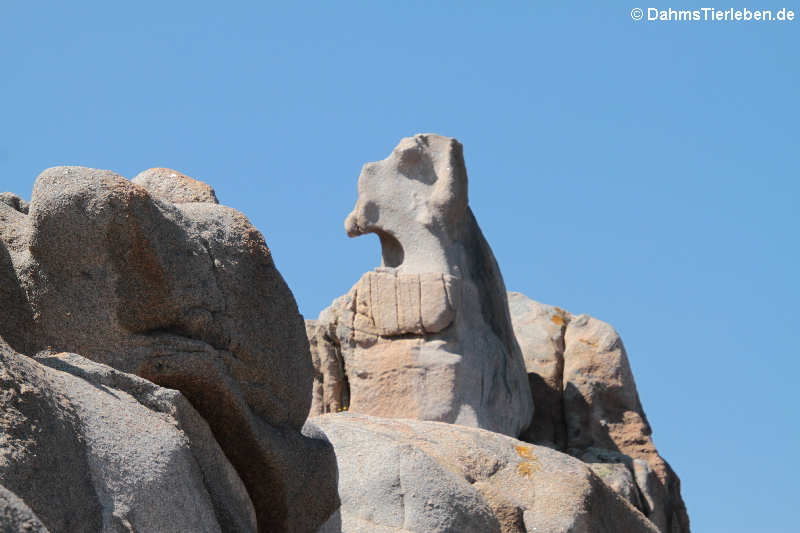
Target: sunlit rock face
[89,448]
[154,277]
[427,334]
[447,477]
[587,405]
[155,373]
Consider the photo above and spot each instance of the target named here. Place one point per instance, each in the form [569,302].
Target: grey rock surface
[419,476]
[539,329]
[185,295]
[588,405]
[196,375]
[14,201]
[427,334]
[41,435]
[16,316]
[16,516]
[618,471]
[89,448]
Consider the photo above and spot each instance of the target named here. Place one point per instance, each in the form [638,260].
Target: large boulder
[399,476]
[88,448]
[427,334]
[587,405]
[160,281]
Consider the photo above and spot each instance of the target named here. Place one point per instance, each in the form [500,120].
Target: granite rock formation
[16,516]
[427,334]
[88,448]
[14,201]
[398,476]
[159,281]
[587,405]
[175,187]
[402,344]
[155,374]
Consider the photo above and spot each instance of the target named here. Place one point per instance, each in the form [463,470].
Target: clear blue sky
[646,173]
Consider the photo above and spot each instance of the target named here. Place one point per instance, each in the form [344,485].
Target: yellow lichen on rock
[525,451]
[528,468]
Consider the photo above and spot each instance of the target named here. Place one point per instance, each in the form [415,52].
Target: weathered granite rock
[540,333]
[14,201]
[618,471]
[185,295]
[88,448]
[174,187]
[588,405]
[154,278]
[16,317]
[16,516]
[427,335]
[421,476]
[330,383]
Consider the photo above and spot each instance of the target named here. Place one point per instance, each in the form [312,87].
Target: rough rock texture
[427,335]
[14,201]
[540,333]
[185,295]
[420,476]
[16,516]
[587,405]
[330,389]
[16,316]
[172,186]
[88,448]
[159,287]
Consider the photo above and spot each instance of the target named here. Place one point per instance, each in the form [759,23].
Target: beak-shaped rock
[351,225]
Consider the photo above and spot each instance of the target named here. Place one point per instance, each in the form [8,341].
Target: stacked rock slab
[155,278]
[403,476]
[88,448]
[587,405]
[426,335]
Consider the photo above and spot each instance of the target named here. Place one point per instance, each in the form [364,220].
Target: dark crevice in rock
[334,342]
[178,339]
[215,269]
[563,346]
[392,252]
[345,380]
